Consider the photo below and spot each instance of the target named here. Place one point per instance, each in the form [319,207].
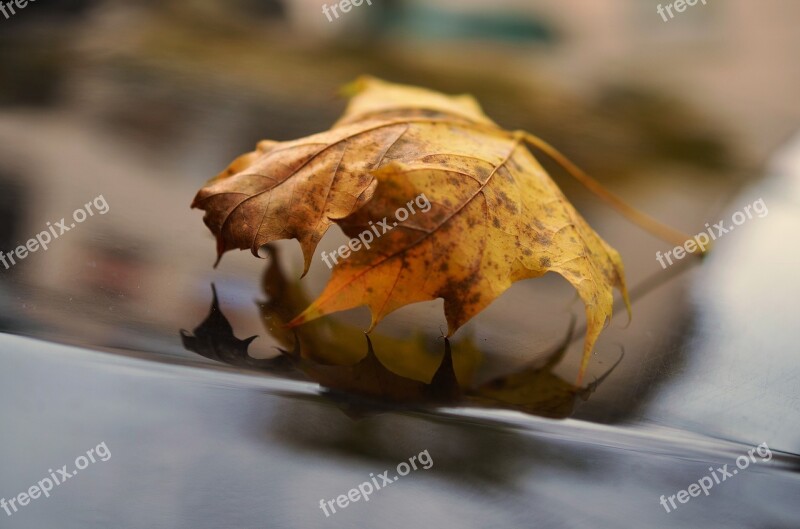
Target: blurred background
[688,119]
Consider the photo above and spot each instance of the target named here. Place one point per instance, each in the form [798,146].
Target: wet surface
[200,447]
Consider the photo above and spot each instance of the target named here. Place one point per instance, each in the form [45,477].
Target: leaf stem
[646,222]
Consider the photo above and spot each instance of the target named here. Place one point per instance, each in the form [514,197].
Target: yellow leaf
[495,218]
[495,215]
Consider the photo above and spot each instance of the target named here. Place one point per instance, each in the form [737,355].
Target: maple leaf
[496,215]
